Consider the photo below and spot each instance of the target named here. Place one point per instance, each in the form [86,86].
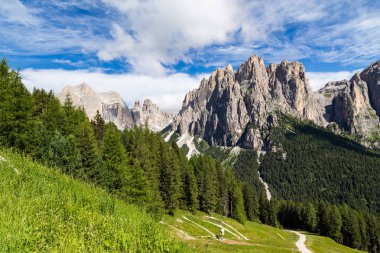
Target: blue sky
[161,48]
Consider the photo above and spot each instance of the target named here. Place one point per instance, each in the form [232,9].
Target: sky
[160,49]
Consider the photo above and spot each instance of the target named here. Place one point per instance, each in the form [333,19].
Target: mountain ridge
[238,108]
[113,108]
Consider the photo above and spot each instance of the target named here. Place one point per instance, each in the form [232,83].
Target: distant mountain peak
[113,108]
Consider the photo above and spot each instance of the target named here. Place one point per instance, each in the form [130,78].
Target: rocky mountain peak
[149,105]
[113,108]
[84,88]
[254,67]
[226,106]
[237,109]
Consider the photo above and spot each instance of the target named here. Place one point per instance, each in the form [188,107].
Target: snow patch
[167,138]
[187,139]
[266,186]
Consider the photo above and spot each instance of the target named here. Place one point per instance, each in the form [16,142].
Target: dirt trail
[2,159]
[226,229]
[227,225]
[199,225]
[180,232]
[228,241]
[301,242]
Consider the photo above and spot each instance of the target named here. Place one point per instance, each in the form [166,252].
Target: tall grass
[42,210]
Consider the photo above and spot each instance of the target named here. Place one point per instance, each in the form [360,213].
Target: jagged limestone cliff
[238,108]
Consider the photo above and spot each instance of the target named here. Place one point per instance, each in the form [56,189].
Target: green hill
[250,237]
[42,210]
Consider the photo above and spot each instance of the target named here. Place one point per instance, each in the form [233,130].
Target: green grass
[42,210]
[326,245]
[262,238]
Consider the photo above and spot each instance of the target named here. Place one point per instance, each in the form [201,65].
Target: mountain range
[237,108]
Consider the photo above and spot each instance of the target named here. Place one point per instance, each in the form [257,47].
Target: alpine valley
[307,145]
[253,155]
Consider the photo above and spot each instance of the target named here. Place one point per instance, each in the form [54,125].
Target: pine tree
[235,197]
[169,179]
[323,218]
[373,233]
[264,209]
[73,117]
[63,152]
[223,203]
[113,154]
[48,111]
[133,184]
[334,223]
[91,159]
[363,233]
[309,217]
[250,202]
[143,148]
[190,189]
[18,127]
[273,213]
[350,227]
[204,169]
[99,126]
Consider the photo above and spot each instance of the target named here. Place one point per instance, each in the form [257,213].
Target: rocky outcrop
[150,114]
[238,108]
[347,107]
[113,108]
[354,105]
[371,76]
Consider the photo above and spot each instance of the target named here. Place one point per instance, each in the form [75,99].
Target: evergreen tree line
[138,166]
[311,163]
[359,230]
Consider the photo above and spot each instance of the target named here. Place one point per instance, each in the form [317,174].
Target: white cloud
[318,80]
[167,92]
[154,35]
[69,62]
[161,32]
[27,29]
[14,11]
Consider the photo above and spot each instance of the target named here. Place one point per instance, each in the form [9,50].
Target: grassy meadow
[261,238]
[42,210]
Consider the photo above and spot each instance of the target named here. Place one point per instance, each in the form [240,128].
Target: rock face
[151,115]
[113,108]
[238,108]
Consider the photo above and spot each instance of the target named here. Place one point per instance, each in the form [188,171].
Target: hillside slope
[42,210]
[250,237]
[309,163]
